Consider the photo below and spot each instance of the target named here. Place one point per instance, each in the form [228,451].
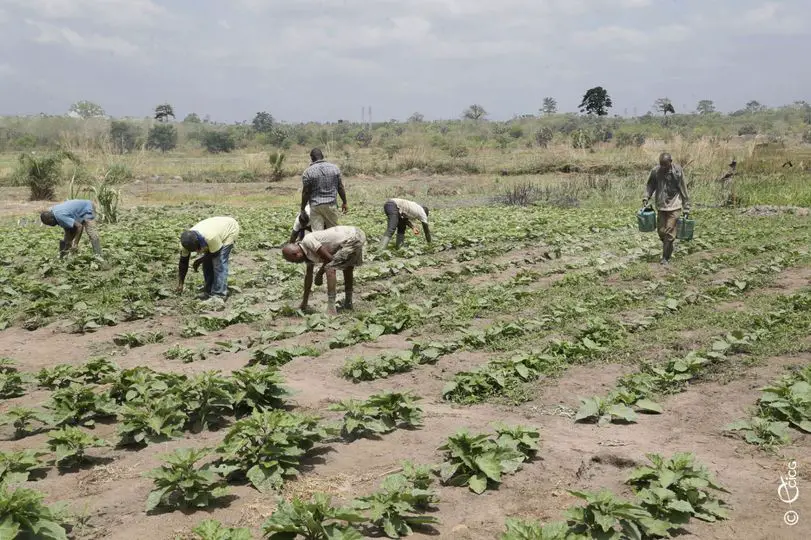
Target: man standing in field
[213,239]
[334,248]
[401,214]
[74,216]
[301,226]
[321,186]
[667,182]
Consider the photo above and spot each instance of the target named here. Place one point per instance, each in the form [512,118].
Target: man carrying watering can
[667,182]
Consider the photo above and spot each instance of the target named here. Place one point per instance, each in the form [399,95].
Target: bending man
[337,247]
[74,216]
[667,182]
[213,239]
[402,214]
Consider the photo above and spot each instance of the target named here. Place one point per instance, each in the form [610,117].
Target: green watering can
[646,219]
[685,227]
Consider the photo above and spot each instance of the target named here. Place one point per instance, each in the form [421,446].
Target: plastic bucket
[646,219]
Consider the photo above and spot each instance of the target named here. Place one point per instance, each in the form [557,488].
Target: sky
[324,60]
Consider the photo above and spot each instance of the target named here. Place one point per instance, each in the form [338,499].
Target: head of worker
[190,241]
[665,162]
[293,253]
[47,218]
[316,155]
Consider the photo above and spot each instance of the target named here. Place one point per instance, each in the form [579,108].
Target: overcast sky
[325,59]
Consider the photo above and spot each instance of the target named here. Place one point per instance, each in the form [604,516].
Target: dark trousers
[396,222]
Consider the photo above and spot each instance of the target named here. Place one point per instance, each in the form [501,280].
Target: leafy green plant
[397,506]
[23,515]
[11,381]
[609,517]
[58,376]
[184,354]
[315,519]
[42,174]
[70,444]
[258,388]
[477,461]
[179,483]
[789,400]
[267,447]
[142,383]
[16,466]
[368,369]
[275,357]
[79,405]
[381,413]
[97,370]
[518,529]
[138,339]
[525,439]
[762,431]
[151,421]
[361,332]
[211,529]
[23,418]
[675,489]
[207,399]
[603,411]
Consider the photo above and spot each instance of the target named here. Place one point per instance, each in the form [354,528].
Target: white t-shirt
[331,238]
[411,210]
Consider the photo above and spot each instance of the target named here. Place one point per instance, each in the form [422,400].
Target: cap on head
[188,239]
[316,154]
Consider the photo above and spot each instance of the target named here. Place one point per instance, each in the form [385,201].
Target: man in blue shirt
[75,216]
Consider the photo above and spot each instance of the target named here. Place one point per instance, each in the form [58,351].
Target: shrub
[277,166]
[216,142]
[124,136]
[522,194]
[807,137]
[25,516]
[748,129]
[162,137]
[544,136]
[42,174]
[581,139]
[630,139]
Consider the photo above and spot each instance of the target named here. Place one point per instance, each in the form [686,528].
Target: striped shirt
[323,180]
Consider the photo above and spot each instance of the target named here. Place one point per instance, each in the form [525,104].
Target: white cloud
[105,12]
[619,36]
[52,34]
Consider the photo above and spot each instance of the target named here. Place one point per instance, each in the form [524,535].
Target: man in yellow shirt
[213,239]
[402,214]
[336,247]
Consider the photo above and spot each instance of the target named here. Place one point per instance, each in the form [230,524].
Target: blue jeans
[215,271]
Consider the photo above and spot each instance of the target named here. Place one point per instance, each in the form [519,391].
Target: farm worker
[321,186]
[401,214]
[213,239]
[75,216]
[301,226]
[337,247]
[667,182]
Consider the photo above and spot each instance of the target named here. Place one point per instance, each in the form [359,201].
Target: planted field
[533,374]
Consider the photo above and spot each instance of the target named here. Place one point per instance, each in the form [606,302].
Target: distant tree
[123,135]
[87,109]
[216,142]
[192,118]
[705,106]
[163,112]
[162,137]
[263,122]
[474,112]
[596,101]
[550,106]
[544,136]
[416,118]
[664,106]
[754,107]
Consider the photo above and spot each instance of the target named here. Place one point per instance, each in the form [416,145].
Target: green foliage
[596,101]
[526,530]
[603,411]
[582,139]
[70,444]
[216,142]
[277,166]
[163,112]
[381,413]
[124,136]
[184,354]
[610,517]
[24,516]
[11,381]
[277,357]
[23,418]
[762,431]
[207,399]
[79,405]
[179,483]
[43,173]
[87,109]
[315,519]
[267,447]
[361,368]
[397,506]
[675,489]
[15,467]
[211,529]
[162,137]
[474,112]
[478,461]
[138,339]
[151,421]
[258,388]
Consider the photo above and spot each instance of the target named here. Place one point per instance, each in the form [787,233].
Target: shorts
[323,216]
[351,253]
